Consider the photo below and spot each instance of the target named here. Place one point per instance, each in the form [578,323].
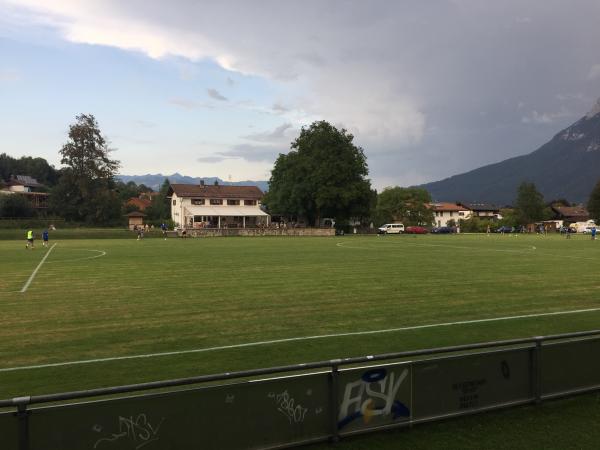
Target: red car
[415,230]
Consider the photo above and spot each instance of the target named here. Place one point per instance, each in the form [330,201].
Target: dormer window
[250,202]
[197,201]
[216,201]
[233,202]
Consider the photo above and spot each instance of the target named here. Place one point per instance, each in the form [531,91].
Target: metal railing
[322,400]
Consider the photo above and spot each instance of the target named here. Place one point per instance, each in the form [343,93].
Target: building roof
[571,211]
[445,206]
[141,203]
[23,180]
[215,191]
[481,207]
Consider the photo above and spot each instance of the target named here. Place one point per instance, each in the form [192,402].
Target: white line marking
[299,338]
[102,253]
[36,269]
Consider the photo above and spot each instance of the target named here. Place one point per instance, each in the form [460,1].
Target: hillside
[568,166]
[155,180]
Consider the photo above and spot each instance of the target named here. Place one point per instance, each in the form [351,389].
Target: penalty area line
[26,285]
[293,339]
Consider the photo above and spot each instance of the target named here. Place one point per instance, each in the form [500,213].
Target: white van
[391,228]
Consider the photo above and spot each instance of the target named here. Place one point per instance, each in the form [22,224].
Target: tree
[85,191]
[15,205]
[530,205]
[159,208]
[409,205]
[323,175]
[593,205]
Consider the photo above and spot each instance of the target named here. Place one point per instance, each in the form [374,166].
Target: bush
[15,205]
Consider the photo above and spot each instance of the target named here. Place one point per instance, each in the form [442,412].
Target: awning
[223,211]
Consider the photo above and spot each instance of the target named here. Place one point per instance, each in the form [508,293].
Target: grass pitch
[113,298]
[97,299]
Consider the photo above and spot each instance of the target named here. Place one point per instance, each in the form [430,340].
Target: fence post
[538,369]
[23,421]
[334,398]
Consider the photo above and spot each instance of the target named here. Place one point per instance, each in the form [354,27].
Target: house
[139,202]
[444,212]
[216,206]
[570,214]
[484,210]
[29,188]
[135,219]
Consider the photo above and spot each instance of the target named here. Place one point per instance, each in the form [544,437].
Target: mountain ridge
[567,166]
[155,180]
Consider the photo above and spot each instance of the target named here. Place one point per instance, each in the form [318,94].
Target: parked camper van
[391,228]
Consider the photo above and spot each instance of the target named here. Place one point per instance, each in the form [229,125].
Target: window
[250,202]
[451,213]
[216,201]
[233,202]
[174,202]
[197,201]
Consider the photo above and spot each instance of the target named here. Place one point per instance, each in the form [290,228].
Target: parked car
[416,230]
[391,228]
[443,230]
[504,229]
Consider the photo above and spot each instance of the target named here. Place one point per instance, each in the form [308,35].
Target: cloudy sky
[429,88]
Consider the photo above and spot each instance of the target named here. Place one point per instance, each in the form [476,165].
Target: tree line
[324,175]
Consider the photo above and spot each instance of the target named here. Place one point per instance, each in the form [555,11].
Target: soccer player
[163,227]
[29,239]
[45,238]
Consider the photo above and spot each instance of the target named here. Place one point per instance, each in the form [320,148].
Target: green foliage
[85,191]
[15,205]
[593,205]
[530,205]
[324,175]
[476,224]
[37,168]
[408,205]
[159,210]
[128,190]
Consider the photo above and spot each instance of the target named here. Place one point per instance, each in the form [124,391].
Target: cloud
[594,72]
[389,72]
[9,75]
[276,135]
[183,103]
[546,117]
[213,93]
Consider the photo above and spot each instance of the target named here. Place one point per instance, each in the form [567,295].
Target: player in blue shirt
[45,238]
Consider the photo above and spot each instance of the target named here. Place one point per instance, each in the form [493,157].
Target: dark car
[416,230]
[504,229]
[443,230]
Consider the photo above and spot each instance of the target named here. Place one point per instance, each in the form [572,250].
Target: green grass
[161,296]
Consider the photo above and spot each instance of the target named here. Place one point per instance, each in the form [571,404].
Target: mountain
[568,166]
[155,180]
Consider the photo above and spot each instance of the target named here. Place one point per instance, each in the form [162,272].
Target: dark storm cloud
[429,89]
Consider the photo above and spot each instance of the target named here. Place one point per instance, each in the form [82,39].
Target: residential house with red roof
[216,206]
[444,212]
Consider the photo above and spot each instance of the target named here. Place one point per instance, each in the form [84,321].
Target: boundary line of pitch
[28,282]
[293,339]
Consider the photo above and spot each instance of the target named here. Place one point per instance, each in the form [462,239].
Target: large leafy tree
[530,205]
[409,205]
[323,175]
[593,205]
[85,191]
